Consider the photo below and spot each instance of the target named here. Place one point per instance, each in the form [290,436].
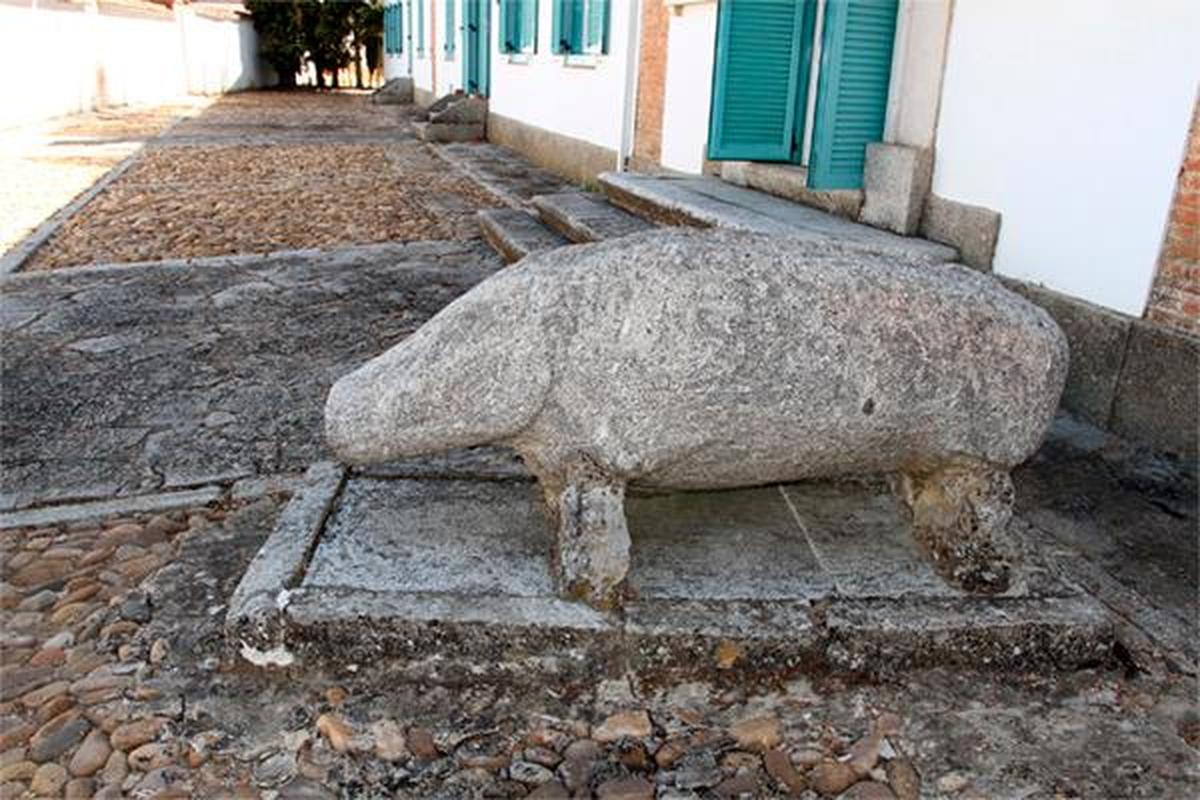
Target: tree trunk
[358,57]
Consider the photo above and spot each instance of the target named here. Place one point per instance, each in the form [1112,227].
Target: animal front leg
[592,548]
[961,518]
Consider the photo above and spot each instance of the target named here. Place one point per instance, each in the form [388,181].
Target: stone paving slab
[736,569]
[135,379]
[587,217]
[708,201]
[515,233]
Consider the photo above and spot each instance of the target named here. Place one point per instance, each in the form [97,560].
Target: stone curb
[21,252]
[274,621]
[99,509]
[253,623]
[499,192]
[236,260]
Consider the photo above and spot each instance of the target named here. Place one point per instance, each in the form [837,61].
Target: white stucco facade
[86,59]
[432,69]
[1070,119]
[578,96]
[687,92]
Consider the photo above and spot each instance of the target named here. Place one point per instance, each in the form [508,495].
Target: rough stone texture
[449,131]
[1158,397]
[791,183]
[451,568]
[1097,338]
[972,230]
[896,181]
[953,388]
[575,159]
[137,379]
[457,109]
[586,217]
[710,202]
[515,233]
[504,172]
[396,91]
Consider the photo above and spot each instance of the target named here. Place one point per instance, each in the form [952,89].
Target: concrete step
[515,234]
[586,217]
[708,202]
[449,132]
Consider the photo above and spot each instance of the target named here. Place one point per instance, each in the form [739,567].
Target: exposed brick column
[1175,298]
[652,75]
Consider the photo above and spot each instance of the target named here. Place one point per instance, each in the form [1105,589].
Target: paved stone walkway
[116,680]
[122,380]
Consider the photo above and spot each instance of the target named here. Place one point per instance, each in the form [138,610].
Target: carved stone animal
[707,359]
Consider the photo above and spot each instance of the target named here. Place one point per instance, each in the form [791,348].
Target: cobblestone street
[159,410]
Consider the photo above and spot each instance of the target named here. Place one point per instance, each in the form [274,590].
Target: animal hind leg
[591,555]
[961,518]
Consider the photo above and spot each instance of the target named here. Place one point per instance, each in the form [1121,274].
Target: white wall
[583,102]
[1070,118]
[687,94]
[82,59]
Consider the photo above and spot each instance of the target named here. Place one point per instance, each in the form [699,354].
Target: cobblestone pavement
[44,165]
[262,172]
[116,680]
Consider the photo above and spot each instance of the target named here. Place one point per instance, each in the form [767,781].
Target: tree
[330,33]
[279,37]
[366,28]
[326,30]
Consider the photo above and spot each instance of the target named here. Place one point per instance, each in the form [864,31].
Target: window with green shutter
[389,43]
[852,90]
[581,26]
[760,79]
[420,27]
[518,26]
[451,30]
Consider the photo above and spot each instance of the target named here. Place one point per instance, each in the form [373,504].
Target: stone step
[449,132]
[708,202]
[586,217]
[515,234]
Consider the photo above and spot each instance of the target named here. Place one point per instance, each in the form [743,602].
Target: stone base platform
[442,563]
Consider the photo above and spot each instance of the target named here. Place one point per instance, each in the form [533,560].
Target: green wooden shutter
[568,26]
[451,29]
[597,26]
[511,17]
[852,92]
[420,27]
[529,26]
[760,80]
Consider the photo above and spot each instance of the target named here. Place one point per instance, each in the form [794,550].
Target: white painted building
[1063,122]
[87,54]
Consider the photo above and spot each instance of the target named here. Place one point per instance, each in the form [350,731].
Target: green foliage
[330,33]
[279,39]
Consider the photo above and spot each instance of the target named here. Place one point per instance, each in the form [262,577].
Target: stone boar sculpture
[688,359]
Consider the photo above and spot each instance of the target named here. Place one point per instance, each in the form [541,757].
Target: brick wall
[647,133]
[1175,298]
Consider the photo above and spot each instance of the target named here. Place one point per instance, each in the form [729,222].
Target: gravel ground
[116,682]
[246,177]
[44,166]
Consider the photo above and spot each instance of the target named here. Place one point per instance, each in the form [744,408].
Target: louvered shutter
[451,29]
[759,79]
[529,26]
[597,27]
[852,93]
